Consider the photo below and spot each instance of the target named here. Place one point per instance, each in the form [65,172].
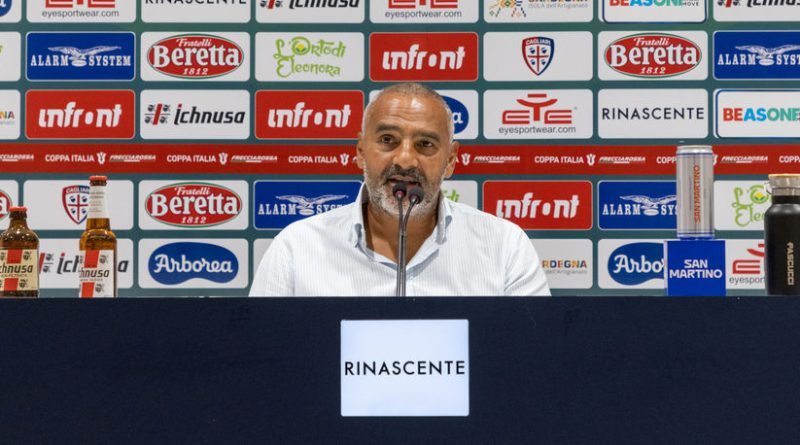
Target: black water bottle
[782,236]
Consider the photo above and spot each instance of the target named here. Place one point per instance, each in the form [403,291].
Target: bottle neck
[786,199]
[18,223]
[97,217]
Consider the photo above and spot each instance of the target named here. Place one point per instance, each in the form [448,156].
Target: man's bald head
[416,90]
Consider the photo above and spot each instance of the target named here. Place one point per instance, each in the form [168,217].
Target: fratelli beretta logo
[280,203]
[757,55]
[642,205]
[176,263]
[636,263]
[81,56]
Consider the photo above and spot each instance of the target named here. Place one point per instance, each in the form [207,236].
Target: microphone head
[416,195]
[399,190]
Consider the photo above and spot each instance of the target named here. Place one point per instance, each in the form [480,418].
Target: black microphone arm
[415,196]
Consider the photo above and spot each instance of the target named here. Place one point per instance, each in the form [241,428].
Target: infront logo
[428,56]
[561,205]
[308,114]
[84,114]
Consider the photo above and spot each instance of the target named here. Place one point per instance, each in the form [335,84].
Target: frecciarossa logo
[194,204]
[653,55]
[80,114]
[176,263]
[195,56]
[636,263]
[423,56]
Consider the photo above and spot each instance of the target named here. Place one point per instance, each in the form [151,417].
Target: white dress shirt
[469,253]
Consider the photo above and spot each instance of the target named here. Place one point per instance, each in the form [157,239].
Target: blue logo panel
[636,263]
[695,268]
[81,56]
[460,113]
[280,203]
[757,55]
[176,263]
[5,7]
[637,205]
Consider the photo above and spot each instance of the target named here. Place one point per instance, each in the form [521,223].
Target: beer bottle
[97,273]
[19,257]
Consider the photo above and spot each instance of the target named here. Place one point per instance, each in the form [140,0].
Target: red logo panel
[193,204]
[308,114]
[542,205]
[84,114]
[423,56]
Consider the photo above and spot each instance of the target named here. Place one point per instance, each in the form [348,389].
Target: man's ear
[451,160]
[360,152]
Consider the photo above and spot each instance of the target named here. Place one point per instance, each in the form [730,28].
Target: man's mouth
[408,181]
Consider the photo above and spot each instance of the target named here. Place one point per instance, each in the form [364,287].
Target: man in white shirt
[452,249]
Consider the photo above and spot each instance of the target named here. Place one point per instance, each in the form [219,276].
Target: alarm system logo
[773,55]
[80,56]
[280,203]
[637,205]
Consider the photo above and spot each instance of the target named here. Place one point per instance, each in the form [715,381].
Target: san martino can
[695,190]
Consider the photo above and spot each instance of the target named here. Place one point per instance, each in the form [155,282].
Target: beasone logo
[308,114]
[193,204]
[80,114]
[653,55]
[177,263]
[636,263]
[555,205]
[423,56]
[195,56]
[460,113]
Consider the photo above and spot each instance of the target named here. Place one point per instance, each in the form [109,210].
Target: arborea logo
[179,262]
[424,56]
[308,114]
[636,263]
[80,114]
[555,205]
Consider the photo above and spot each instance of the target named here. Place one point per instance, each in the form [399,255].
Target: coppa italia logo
[193,204]
[423,56]
[195,56]
[652,55]
[80,114]
[553,205]
[295,114]
[5,204]
[176,263]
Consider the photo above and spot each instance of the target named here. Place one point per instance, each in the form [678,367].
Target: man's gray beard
[381,197]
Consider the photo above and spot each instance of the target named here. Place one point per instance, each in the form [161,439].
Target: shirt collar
[357,234]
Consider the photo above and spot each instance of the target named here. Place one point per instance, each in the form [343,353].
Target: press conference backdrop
[221,123]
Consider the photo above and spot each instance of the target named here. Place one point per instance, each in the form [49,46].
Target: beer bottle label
[97,202]
[19,270]
[96,274]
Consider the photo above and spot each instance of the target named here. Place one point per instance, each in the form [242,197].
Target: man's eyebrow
[390,127]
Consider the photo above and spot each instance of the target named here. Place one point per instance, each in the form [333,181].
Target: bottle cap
[98,178]
[17,209]
[785,184]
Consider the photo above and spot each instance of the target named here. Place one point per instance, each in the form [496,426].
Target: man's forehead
[389,103]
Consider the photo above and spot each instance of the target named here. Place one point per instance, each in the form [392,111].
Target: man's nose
[406,155]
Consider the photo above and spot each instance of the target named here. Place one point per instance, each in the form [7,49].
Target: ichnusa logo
[280,203]
[770,55]
[176,263]
[193,204]
[423,56]
[198,56]
[81,56]
[80,114]
[293,114]
[636,263]
[310,11]
[643,205]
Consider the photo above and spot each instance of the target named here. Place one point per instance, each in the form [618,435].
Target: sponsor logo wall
[243,117]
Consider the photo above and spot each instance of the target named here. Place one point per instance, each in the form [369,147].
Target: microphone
[415,196]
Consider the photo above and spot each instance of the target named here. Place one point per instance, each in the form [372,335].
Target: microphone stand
[415,196]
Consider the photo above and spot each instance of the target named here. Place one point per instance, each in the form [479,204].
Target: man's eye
[386,139]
